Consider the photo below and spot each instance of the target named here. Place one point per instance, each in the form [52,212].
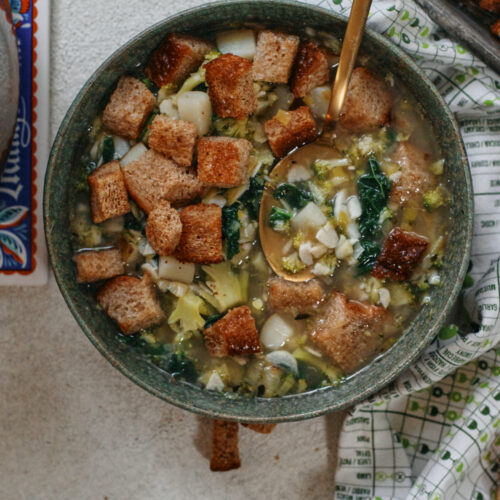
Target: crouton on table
[163,228]
[230,86]
[173,138]
[367,103]
[235,333]
[295,298]
[153,178]
[176,57]
[131,302]
[223,161]
[311,68]
[274,56]
[415,177]
[289,129]
[225,453]
[350,332]
[94,265]
[261,428]
[108,194]
[128,108]
[400,255]
[201,237]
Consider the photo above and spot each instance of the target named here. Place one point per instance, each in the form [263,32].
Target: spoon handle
[350,46]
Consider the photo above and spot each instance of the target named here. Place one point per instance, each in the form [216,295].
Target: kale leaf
[231,230]
[296,195]
[108,149]
[252,197]
[279,216]
[210,320]
[180,367]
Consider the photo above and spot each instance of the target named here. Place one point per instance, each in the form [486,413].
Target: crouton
[415,177]
[201,237]
[261,428]
[95,265]
[491,5]
[128,108]
[289,129]
[223,161]
[495,28]
[274,56]
[108,194]
[311,68]
[153,178]
[367,103]
[295,298]
[234,334]
[131,302]
[225,453]
[400,255]
[173,138]
[350,332]
[230,86]
[163,228]
[176,57]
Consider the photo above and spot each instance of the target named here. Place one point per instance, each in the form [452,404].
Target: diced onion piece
[238,42]
[151,270]
[113,225]
[435,279]
[338,203]
[344,248]
[215,383]
[234,193]
[167,107]
[216,200]
[317,100]
[171,269]
[318,251]
[299,173]
[353,207]
[305,253]
[175,287]
[328,236]
[287,247]
[353,232]
[134,153]
[194,106]
[277,329]
[321,269]
[285,360]
[310,216]
[384,297]
[145,248]
[121,146]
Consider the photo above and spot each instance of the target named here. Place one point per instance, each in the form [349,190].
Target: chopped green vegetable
[371,251]
[231,127]
[187,314]
[144,137]
[321,169]
[296,195]
[180,366]
[435,199]
[292,263]
[253,195]
[437,167]
[213,54]
[150,84]
[279,219]
[302,355]
[231,230]
[210,320]
[392,136]
[331,261]
[108,149]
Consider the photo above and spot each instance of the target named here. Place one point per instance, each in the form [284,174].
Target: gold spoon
[271,241]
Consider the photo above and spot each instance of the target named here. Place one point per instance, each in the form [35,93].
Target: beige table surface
[71,426]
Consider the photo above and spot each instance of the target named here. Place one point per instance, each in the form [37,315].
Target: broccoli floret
[231,127]
[435,199]
[227,288]
[298,239]
[292,263]
[198,77]
[321,169]
[279,219]
[331,261]
[187,314]
[437,167]
[87,234]
[213,54]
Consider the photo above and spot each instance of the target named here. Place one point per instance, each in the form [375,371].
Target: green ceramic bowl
[101,331]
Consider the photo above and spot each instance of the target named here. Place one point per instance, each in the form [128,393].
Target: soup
[166,213]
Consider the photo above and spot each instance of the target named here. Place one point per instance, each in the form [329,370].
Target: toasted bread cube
[128,108]
[176,57]
[261,428]
[400,255]
[289,129]
[234,334]
[153,178]
[495,28]
[295,298]
[311,68]
[491,5]
[95,265]
[274,56]
[367,104]
[131,302]
[163,228]
[225,453]
[173,138]
[350,332]
[415,178]
[223,161]
[108,194]
[201,237]
[230,86]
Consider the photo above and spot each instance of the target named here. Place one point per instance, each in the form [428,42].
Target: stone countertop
[71,426]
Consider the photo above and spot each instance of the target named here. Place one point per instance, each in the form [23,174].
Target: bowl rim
[192,406]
